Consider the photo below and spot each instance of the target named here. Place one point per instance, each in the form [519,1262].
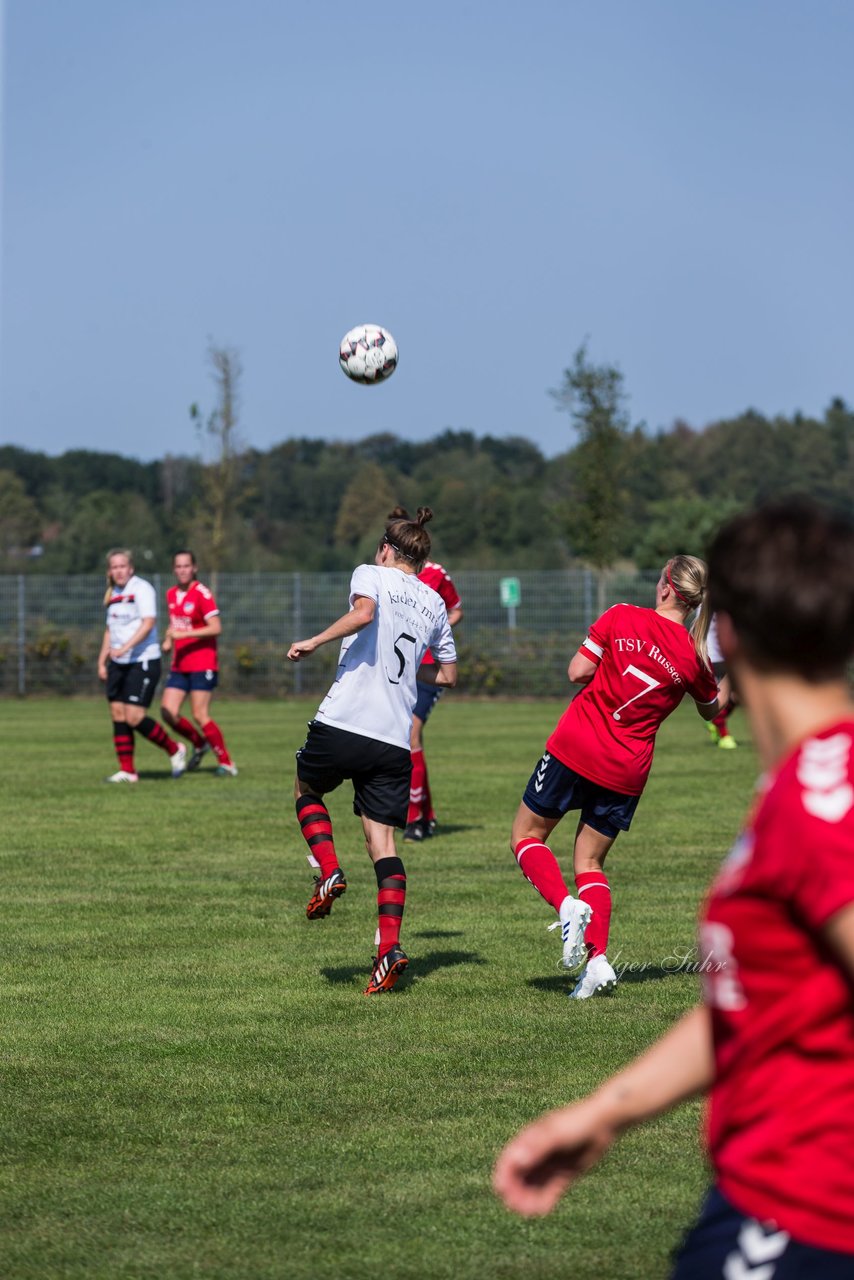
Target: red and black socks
[391,897]
[316,826]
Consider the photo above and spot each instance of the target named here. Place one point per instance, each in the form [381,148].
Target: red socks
[123,743]
[593,888]
[189,731]
[416,787]
[214,736]
[539,865]
[391,896]
[316,826]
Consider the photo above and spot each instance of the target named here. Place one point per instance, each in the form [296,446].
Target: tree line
[618,494]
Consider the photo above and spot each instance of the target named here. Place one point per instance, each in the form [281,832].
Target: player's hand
[115,654]
[166,643]
[301,649]
[102,671]
[547,1157]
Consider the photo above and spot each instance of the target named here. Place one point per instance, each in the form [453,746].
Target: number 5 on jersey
[402,639]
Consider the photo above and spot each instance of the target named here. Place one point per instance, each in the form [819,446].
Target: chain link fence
[51,628]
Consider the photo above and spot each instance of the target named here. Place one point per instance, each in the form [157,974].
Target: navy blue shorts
[428,696]
[553,790]
[725,1242]
[193,681]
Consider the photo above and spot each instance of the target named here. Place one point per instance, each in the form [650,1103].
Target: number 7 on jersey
[645,679]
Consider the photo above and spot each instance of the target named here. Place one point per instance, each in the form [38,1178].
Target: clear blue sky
[494,182]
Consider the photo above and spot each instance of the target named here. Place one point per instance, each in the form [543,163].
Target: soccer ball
[368,354]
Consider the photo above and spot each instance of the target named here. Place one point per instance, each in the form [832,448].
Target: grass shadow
[419,967]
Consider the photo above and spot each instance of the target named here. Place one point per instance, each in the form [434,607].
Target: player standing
[421,816]
[129,665]
[362,728]
[636,665]
[719,727]
[194,627]
[773,1042]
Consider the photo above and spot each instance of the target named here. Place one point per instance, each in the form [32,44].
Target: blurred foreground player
[773,1041]
[362,727]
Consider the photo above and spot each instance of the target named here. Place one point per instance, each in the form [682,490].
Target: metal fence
[51,628]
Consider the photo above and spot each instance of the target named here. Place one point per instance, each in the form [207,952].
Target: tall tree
[594,396]
[221,479]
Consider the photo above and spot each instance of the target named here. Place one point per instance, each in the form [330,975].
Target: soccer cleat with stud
[431,828]
[325,892]
[413,831]
[597,979]
[574,919]
[727,743]
[387,969]
[196,758]
[123,776]
[714,732]
[178,762]
[226,771]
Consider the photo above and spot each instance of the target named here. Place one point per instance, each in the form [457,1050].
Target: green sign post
[511,597]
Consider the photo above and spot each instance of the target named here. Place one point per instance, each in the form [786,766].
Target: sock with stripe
[157,734]
[416,787]
[539,865]
[187,730]
[391,896]
[123,743]
[316,826]
[213,733]
[594,889]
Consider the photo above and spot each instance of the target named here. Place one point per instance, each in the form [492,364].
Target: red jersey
[646,663]
[189,610]
[440,580]
[781,1110]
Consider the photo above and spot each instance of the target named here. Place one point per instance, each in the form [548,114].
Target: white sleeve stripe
[593,647]
[214,613]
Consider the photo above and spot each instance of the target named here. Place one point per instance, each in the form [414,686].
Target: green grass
[193,1083]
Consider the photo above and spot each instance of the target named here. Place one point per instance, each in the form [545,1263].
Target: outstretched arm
[548,1156]
[359,617]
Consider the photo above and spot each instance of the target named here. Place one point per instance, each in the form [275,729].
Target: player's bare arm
[146,626]
[359,617]
[211,629]
[104,655]
[548,1156]
[581,669]
[441,673]
[708,710]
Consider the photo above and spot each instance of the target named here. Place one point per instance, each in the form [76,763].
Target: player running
[129,665]
[635,666]
[194,628]
[361,729]
[773,1042]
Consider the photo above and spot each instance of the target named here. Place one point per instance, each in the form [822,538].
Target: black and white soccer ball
[368,354]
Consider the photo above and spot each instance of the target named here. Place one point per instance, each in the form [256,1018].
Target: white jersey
[127,607]
[374,692]
[715,654]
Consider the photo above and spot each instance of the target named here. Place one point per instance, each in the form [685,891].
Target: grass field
[193,1083]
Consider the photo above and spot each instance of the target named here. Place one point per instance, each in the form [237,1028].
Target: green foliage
[618,494]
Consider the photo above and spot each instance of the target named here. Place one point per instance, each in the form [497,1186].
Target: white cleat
[123,776]
[597,979]
[179,761]
[574,919]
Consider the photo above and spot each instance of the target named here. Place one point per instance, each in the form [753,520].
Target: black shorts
[132,682]
[380,772]
[724,1241]
[553,789]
